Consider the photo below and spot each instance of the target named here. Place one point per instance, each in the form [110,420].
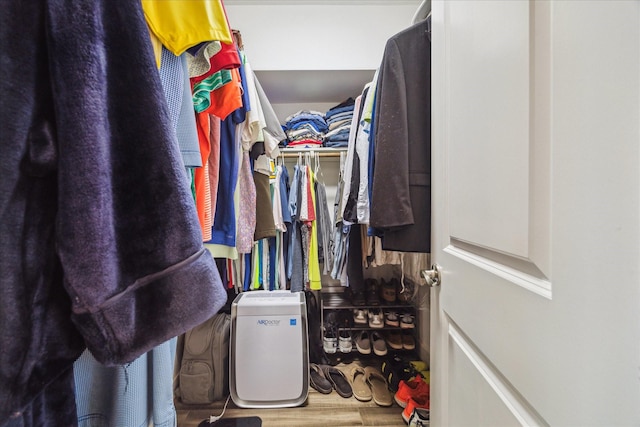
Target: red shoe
[415,388]
[420,403]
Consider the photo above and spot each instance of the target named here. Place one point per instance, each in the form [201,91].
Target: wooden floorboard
[353,414]
[320,410]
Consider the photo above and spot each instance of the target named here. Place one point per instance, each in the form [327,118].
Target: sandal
[317,379]
[361,390]
[338,380]
[379,389]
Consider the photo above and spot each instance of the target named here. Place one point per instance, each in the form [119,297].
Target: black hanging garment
[401,189]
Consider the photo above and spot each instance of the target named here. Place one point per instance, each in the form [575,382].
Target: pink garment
[303,209]
[311,211]
[214,161]
[247,214]
[308,141]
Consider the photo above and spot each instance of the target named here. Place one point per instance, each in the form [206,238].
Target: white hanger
[424,9]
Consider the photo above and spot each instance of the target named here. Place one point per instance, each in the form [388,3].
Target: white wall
[315,54]
[309,35]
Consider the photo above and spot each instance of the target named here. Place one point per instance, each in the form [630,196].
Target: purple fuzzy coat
[99,240]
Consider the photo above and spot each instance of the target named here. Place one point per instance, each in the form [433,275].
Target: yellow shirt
[314,264]
[180,24]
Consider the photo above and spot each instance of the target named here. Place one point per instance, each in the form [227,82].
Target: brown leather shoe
[388,292]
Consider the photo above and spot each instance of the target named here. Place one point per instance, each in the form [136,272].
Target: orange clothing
[226,99]
[201,178]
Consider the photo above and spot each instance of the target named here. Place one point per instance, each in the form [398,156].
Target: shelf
[369,328]
[337,302]
[340,357]
[333,301]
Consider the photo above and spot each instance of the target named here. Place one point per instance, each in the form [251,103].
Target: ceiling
[310,86]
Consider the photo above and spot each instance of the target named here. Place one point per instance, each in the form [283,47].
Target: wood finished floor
[321,410]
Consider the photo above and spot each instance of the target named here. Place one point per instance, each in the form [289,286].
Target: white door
[536,213]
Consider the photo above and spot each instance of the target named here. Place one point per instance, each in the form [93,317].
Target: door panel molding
[489,120]
[521,272]
[513,401]
[500,226]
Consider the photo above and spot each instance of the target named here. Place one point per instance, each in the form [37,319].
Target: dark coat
[401,188]
[99,240]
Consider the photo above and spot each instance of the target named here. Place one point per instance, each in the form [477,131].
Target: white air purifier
[268,352]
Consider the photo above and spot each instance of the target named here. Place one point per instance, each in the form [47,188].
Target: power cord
[214,418]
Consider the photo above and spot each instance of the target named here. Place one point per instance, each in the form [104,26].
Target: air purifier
[268,352]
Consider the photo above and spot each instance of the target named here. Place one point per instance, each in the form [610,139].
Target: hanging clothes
[247,214]
[325,235]
[350,161]
[180,25]
[350,211]
[201,177]
[315,282]
[138,393]
[211,57]
[295,269]
[213,163]
[401,189]
[363,150]
[81,218]
[265,225]
[175,83]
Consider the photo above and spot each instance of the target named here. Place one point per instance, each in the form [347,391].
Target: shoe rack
[345,332]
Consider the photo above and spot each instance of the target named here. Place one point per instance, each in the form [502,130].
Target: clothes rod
[318,153]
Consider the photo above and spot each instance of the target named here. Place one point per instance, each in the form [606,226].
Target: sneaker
[329,344]
[408,342]
[407,321]
[344,341]
[376,318]
[415,388]
[378,343]
[330,339]
[396,369]
[419,366]
[360,316]
[419,418]
[412,404]
[363,343]
[391,318]
[394,340]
